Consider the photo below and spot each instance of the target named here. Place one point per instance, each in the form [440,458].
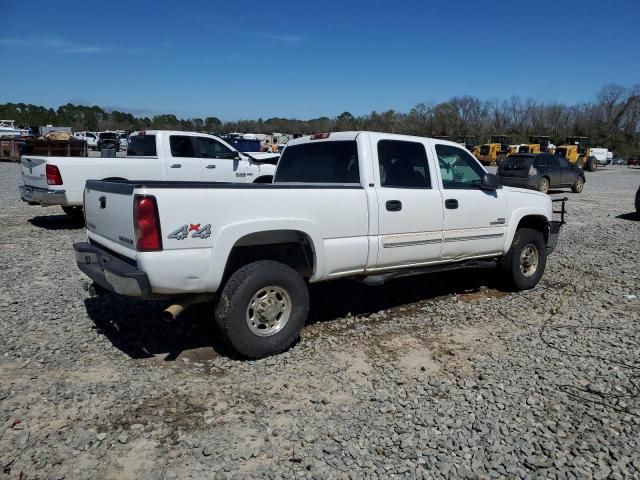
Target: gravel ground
[439,376]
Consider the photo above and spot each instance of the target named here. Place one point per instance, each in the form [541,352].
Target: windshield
[107,135]
[319,162]
[141,146]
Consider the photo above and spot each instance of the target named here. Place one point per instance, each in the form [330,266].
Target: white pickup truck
[151,155]
[369,206]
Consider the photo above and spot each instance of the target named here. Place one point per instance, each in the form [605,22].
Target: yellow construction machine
[467,141]
[537,144]
[495,151]
[576,150]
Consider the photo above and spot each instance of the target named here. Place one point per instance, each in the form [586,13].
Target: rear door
[219,162]
[409,203]
[568,171]
[474,219]
[554,171]
[181,162]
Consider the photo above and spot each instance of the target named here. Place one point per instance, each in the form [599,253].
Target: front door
[474,219]
[182,164]
[409,207]
[554,170]
[219,162]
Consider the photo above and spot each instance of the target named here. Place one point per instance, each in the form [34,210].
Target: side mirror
[489,182]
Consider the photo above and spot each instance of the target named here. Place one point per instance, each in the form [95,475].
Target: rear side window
[181,146]
[206,147]
[552,161]
[516,163]
[319,162]
[142,146]
[403,164]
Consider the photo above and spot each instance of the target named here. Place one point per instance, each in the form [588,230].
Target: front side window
[562,162]
[458,168]
[319,162]
[403,164]
[181,146]
[206,147]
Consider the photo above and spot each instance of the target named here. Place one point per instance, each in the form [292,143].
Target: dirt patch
[482,294]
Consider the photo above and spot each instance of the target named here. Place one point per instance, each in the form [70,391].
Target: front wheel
[75,213]
[592,164]
[525,261]
[262,309]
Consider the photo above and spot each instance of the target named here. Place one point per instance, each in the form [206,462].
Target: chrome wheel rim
[544,186]
[268,311]
[529,259]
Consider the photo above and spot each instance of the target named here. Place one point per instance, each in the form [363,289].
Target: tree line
[611,120]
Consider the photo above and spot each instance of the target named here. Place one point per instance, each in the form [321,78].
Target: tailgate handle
[211,166]
[102,201]
[176,165]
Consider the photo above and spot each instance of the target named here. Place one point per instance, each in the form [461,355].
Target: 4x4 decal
[198,230]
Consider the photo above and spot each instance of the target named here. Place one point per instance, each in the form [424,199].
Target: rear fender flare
[228,236]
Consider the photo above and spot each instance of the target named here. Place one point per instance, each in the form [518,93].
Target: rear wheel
[262,309]
[525,261]
[592,164]
[75,213]
[544,185]
[578,185]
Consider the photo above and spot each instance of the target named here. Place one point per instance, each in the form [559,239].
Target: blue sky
[255,59]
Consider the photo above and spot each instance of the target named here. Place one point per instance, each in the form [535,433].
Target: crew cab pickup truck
[364,205]
[151,155]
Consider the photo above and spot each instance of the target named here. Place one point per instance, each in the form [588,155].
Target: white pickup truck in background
[151,155]
[364,205]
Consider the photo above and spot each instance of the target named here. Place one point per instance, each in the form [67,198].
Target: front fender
[516,217]
[229,235]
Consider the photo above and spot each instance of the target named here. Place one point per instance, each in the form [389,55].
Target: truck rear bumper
[110,272]
[42,196]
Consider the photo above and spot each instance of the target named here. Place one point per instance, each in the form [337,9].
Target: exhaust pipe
[172,312]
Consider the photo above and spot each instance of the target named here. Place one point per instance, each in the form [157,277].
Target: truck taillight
[53,175]
[146,223]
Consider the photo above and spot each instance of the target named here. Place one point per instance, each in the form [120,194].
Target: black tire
[232,310]
[511,263]
[578,185]
[544,186]
[76,213]
[592,164]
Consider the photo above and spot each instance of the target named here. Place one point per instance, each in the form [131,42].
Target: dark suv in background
[540,171]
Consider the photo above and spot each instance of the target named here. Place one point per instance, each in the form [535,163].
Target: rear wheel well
[535,222]
[291,247]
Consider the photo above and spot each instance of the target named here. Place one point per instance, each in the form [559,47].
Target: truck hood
[263,157]
[523,198]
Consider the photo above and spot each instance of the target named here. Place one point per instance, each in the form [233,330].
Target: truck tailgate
[34,172]
[108,208]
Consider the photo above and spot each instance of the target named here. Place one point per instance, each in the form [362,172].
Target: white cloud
[58,45]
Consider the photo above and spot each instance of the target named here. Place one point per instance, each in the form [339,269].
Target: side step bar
[382,278]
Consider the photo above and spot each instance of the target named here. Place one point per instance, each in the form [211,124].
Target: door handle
[394,205]
[451,203]
[211,166]
[176,165]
